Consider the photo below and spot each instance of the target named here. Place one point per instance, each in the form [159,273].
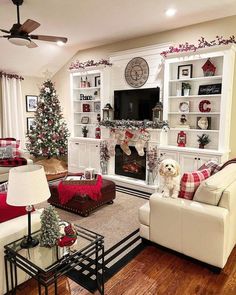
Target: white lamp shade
[27,185]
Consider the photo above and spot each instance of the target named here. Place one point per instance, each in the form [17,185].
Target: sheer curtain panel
[12,109]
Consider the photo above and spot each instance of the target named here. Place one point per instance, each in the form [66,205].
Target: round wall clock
[137,72]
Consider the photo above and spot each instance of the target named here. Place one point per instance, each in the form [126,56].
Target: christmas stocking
[143,137]
[125,143]
[114,136]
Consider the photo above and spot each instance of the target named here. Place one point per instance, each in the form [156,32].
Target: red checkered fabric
[190,181]
[13,162]
[213,165]
[15,144]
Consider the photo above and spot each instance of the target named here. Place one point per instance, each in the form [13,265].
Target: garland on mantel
[89,63]
[202,43]
[10,76]
[134,125]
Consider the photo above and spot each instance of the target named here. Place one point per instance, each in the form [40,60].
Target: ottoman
[83,205]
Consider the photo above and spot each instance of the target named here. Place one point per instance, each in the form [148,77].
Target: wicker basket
[79,181]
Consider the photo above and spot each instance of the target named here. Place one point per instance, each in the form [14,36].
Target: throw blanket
[67,192]
[232,161]
[13,162]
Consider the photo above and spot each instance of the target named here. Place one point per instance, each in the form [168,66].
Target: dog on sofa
[169,172]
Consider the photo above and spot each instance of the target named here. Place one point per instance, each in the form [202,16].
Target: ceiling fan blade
[32,45]
[49,38]
[29,26]
[4,31]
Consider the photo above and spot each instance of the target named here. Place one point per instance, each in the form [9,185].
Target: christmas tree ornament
[143,137]
[69,238]
[125,143]
[50,228]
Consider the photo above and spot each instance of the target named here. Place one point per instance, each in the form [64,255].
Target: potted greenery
[84,131]
[203,140]
[186,88]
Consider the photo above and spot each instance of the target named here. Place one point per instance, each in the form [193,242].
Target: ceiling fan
[19,33]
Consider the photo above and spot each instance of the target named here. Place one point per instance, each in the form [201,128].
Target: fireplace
[132,166]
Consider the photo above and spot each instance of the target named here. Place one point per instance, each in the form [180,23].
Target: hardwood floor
[157,271]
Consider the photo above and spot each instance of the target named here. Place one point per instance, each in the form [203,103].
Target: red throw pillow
[213,165]
[8,212]
[190,181]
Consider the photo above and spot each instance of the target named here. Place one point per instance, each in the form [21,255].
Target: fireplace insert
[132,166]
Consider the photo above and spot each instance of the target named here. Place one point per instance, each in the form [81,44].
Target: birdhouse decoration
[181,139]
[208,68]
[107,112]
[157,112]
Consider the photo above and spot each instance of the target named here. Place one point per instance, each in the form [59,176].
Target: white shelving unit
[91,95]
[220,104]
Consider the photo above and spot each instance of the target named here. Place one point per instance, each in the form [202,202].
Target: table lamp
[27,186]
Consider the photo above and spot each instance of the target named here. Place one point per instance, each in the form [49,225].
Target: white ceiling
[89,23]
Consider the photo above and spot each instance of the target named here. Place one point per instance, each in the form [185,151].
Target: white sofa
[10,231]
[202,231]
[4,171]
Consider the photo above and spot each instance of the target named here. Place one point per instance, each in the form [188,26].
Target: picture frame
[30,123]
[85,120]
[185,72]
[97,106]
[209,89]
[203,123]
[31,103]
[97,81]
[184,107]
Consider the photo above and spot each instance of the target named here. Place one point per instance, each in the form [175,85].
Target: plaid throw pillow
[190,181]
[3,187]
[213,165]
[13,143]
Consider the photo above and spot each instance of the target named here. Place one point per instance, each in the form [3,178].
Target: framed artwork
[97,81]
[31,103]
[184,107]
[30,123]
[85,120]
[209,89]
[185,72]
[204,123]
[97,106]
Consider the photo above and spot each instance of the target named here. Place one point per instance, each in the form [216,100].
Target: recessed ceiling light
[60,43]
[171,12]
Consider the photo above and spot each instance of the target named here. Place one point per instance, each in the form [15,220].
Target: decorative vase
[201,146]
[150,178]
[186,92]
[104,167]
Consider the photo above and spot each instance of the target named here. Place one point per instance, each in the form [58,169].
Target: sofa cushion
[144,213]
[213,165]
[15,144]
[211,190]
[13,162]
[8,212]
[190,181]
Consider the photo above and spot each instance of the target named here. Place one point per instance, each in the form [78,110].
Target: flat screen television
[135,104]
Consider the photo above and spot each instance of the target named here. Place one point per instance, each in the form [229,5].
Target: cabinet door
[188,162]
[165,154]
[93,155]
[73,156]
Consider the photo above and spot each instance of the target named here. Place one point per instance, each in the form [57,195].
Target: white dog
[169,171]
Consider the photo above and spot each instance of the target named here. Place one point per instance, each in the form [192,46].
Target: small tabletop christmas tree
[48,137]
[50,229]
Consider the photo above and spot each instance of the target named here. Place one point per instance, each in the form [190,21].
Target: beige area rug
[114,222]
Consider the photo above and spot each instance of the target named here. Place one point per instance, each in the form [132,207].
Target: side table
[46,265]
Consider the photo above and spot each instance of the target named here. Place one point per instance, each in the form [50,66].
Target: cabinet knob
[199,159]
[77,143]
[195,158]
[96,145]
[161,154]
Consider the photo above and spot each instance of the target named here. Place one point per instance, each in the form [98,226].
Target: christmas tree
[48,136]
[50,229]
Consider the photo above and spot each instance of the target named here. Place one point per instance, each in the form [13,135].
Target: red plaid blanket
[13,162]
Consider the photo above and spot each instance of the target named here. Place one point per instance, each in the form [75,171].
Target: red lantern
[181,139]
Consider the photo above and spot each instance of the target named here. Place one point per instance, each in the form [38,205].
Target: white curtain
[12,109]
